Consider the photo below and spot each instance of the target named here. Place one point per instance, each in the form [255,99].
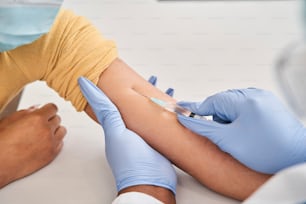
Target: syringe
[173,107]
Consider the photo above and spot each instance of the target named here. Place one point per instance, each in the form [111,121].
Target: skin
[159,128]
[26,148]
[162,194]
[192,153]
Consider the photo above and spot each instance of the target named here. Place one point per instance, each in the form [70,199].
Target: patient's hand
[29,140]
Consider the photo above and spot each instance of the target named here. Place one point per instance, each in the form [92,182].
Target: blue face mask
[24,21]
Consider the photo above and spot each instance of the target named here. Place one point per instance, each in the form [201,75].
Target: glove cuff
[164,182]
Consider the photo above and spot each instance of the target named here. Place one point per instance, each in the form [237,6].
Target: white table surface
[198,48]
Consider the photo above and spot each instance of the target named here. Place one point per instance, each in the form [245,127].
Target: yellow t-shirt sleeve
[72,48]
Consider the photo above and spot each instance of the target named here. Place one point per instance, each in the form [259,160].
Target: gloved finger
[170,92]
[220,120]
[200,109]
[195,107]
[206,128]
[106,112]
[152,80]
[205,108]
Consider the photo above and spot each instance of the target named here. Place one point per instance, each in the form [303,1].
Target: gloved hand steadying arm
[153,80]
[132,160]
[253,126]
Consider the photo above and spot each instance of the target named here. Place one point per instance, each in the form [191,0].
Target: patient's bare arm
[192,153]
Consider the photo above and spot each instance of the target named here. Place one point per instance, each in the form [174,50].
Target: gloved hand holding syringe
[175,108]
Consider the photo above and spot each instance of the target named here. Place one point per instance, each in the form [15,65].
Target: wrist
[160,193]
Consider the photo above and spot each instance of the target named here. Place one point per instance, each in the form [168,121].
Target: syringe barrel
[183,111]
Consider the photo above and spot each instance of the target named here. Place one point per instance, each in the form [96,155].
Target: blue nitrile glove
[253,126]
[153,80]
[132,160]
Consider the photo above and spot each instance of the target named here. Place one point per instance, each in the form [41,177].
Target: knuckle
[254,102]
[64,130]
[37,118]
[52,106]
[61,132]
[258,100]
[57,119]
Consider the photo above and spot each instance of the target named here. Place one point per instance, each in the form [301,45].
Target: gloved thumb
[206,128]
[105,111]
[211,106]
[200,108]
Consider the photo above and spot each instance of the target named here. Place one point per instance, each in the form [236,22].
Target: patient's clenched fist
[29,140]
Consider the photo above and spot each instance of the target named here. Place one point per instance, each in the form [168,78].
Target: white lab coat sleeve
[287,186]
[135,198]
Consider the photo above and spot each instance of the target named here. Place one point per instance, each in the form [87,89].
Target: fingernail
[170,92]
[152,80]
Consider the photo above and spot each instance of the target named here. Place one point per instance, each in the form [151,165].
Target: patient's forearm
[194,154]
